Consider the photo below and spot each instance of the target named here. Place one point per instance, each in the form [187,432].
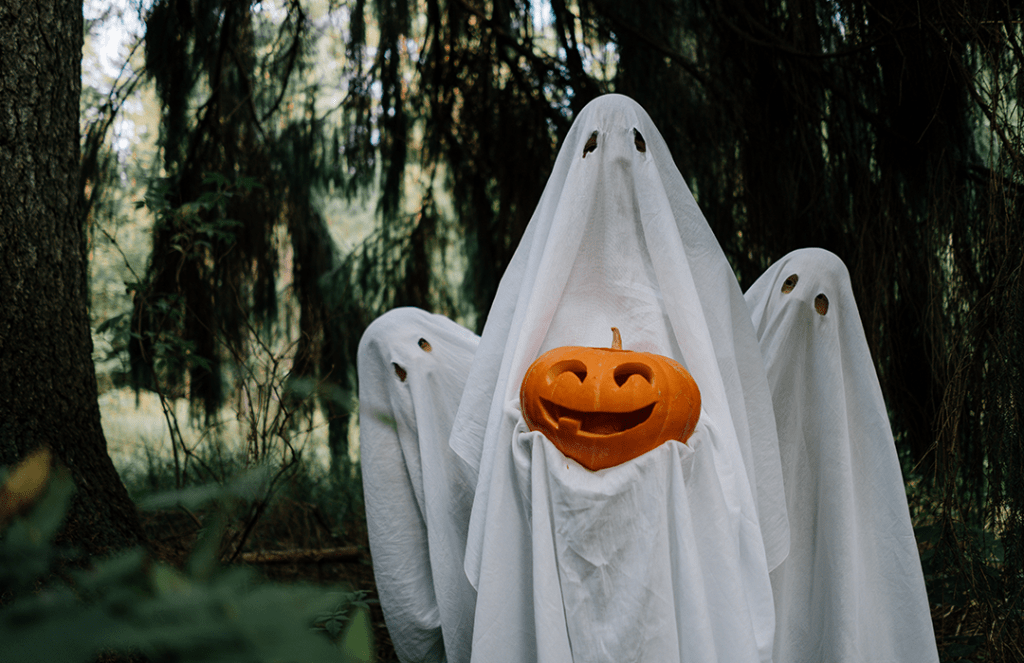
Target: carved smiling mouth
[575,422]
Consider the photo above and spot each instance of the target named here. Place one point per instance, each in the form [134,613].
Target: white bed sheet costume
[852,588]
[412,369]
[663,558]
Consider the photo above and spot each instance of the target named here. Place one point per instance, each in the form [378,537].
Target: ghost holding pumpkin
[660,554]
[664,557]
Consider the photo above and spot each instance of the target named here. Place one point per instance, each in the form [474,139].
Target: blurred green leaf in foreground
[131,603]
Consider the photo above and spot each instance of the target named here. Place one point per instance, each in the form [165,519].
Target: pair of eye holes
[401,372]
[820,302]
[621,373]
[638,140]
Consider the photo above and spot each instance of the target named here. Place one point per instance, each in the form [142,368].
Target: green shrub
[131,603]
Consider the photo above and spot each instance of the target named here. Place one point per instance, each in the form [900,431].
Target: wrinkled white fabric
[851,589]
[618,240]
[412,369]
[637,562]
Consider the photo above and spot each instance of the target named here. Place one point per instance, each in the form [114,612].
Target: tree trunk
[47,380]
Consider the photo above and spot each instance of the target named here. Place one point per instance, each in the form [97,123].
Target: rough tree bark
[47,381]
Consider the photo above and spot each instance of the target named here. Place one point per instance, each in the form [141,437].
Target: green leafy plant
[133,603]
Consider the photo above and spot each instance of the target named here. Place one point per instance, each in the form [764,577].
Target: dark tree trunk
[47,380]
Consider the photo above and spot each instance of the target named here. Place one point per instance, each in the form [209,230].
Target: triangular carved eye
[638,140]
[591,144]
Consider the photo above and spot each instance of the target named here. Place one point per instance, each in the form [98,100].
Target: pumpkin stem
[616,339]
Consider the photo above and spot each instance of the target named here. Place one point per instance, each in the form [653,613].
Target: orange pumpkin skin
[604,406]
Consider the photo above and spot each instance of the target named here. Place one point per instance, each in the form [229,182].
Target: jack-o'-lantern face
[604,406]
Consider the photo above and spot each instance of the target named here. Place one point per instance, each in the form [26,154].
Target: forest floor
[287,526]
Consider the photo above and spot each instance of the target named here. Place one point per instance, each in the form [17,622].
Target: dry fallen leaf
[25,483]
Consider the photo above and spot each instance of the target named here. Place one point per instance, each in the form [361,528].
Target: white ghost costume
[412,368]
[665,557]
[851,589]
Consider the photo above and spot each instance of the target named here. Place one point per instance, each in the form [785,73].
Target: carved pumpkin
[604,406]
